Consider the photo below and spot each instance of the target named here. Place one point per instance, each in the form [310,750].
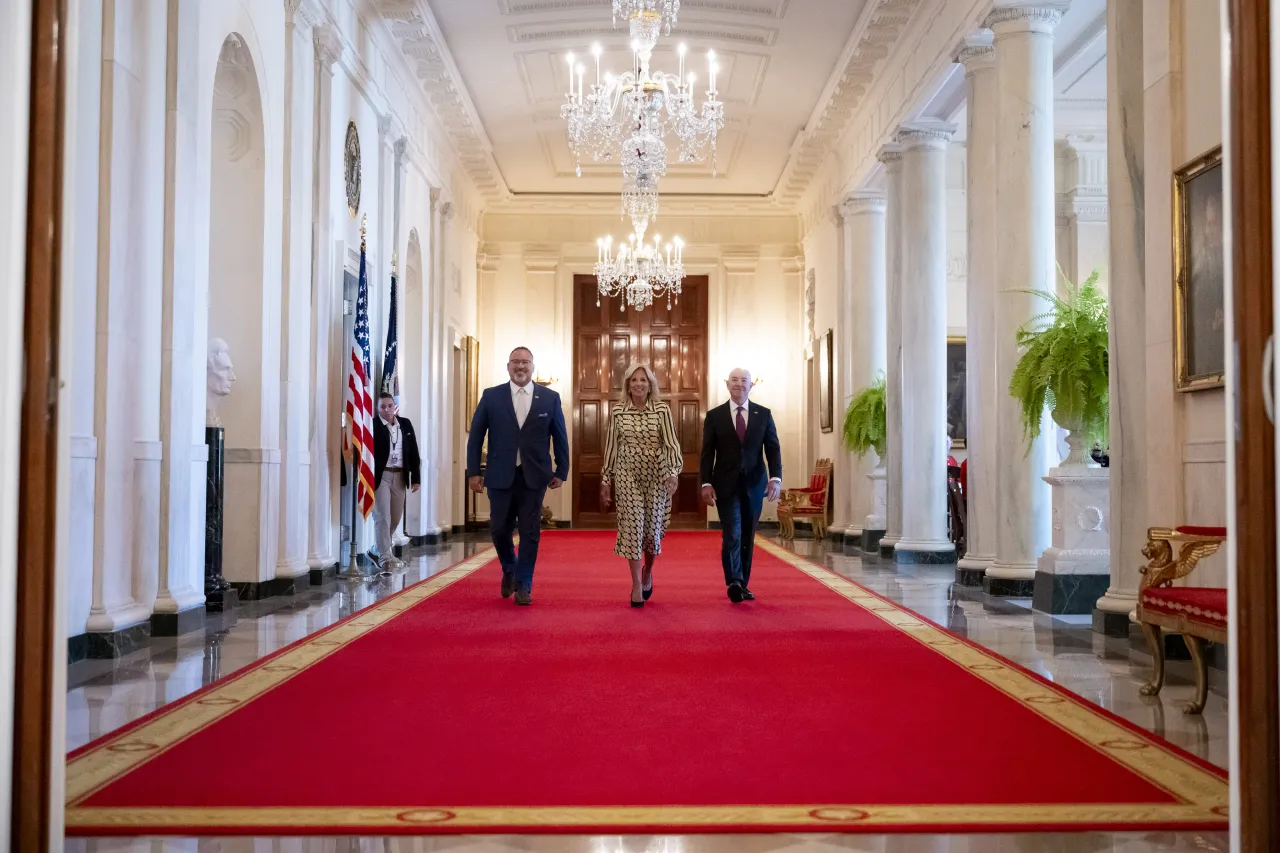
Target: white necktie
[522,406]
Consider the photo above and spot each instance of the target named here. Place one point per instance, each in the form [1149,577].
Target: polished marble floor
[104,695]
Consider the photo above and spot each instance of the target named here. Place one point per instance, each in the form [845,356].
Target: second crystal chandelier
[631,115]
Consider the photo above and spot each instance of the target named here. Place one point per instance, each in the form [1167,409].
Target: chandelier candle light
[632,113]
[639,271]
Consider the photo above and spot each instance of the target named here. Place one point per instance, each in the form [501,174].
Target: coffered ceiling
[776,58]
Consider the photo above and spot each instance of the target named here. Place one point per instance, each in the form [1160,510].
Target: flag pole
[353,572]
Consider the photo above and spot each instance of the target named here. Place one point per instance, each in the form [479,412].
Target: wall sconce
[545,383]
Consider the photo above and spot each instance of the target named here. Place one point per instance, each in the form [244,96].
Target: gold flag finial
[393,262]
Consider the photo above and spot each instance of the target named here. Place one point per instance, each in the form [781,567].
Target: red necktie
[742,426]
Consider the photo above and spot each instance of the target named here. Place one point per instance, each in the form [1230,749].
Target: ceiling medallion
[351,162]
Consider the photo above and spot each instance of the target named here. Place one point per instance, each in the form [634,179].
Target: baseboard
[319,577]
[260,590]
[77,649]
[177,624]
[117,644]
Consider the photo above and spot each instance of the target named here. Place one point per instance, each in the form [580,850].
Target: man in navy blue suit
[741,465]
[521,419]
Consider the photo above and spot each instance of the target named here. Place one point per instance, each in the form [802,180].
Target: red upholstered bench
[1198,613]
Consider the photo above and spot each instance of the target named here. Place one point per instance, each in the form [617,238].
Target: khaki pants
[388,509]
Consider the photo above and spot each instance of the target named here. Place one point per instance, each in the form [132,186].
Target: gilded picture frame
[471,351]
[957,380]
[825,367]
[1199,263]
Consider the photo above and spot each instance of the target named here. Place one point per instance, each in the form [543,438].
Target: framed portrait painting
[826,413]
[1198,263]
[956,376]
[472,354]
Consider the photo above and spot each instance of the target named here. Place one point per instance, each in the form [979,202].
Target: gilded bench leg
[1196,645]
[1152,633]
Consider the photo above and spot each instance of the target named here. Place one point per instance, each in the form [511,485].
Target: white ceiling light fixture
[652,13]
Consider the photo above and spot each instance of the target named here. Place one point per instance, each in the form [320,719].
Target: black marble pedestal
[911,557]
[870,544]
[966,576]
[1008,587]
[217,592]
[1063,594]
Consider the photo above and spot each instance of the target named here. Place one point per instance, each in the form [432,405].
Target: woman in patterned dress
[642,460]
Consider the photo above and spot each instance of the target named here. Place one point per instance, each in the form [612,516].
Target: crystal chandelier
[639,271]
[664,11]
[631,115]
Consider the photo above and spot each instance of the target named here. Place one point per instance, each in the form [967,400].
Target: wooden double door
[605,342]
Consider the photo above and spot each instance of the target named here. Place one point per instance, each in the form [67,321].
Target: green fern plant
[1064,363]
[864,420]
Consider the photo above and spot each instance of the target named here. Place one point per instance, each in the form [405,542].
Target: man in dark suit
[738,440]
[521,420]
[396,466]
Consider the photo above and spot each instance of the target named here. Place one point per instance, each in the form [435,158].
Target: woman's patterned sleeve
[671,455]
[610,450]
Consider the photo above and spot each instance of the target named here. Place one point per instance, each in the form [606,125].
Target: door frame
[1250,234]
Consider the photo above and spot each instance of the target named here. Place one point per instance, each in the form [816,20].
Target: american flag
[390,375]
[359,401]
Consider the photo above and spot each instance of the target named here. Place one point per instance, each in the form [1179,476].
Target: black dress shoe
[508,585]
[648,593]
[748,595]
[735,592]
[635,603]
[523,597]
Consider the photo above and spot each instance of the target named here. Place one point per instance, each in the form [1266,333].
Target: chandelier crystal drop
[640,271]
[661,12]
[632,114]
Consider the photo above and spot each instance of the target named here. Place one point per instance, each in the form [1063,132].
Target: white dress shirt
[745,408]
[395,457]
[522,399]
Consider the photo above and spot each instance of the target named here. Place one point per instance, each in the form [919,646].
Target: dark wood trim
[1249,162]
[37,480]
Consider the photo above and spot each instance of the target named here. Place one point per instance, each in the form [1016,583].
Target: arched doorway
[237,202]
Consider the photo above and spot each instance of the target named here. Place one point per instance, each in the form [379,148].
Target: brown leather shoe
[523,597]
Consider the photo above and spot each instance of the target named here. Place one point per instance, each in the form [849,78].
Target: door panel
[607,341]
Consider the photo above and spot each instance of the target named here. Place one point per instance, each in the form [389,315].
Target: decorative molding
[890,154]
[860,203]
[593,29]
[958,268]
[874,40]
[528,7]
[1039,16]
[793,264]
[925,135]
[329,46]
[740,261]
[540,259]
[488,258]
[415,30]
[977,52]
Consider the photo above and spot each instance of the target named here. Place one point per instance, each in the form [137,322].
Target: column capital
[891,155]
[488,258]
[402,150]
[860,203]
[977,52]
[793,264]
[391,128]
[329,46]
[309,13]
[741,261]
[540,259]
[1038,16]
[926,135]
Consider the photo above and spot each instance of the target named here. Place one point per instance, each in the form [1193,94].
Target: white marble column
[1025,261]
[441,347]
[844,524]
[325,421]
[295,296]
[129,299]
[891,156]
[1128,352]
[978,56]
[863,215]
[924,341]
[179,606]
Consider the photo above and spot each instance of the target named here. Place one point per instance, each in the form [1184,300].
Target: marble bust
[220,378]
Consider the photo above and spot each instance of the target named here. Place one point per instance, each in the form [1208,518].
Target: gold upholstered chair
[811,503]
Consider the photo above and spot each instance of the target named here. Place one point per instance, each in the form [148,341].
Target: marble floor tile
[105,695]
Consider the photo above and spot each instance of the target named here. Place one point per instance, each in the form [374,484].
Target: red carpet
[818,707]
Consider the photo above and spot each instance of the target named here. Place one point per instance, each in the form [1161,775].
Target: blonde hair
[655,394]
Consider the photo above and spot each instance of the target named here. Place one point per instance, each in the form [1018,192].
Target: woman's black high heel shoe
[637,604]
[648,593]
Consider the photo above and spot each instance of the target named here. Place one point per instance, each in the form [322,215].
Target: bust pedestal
[218,593]
[1075,571]
[874,526]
